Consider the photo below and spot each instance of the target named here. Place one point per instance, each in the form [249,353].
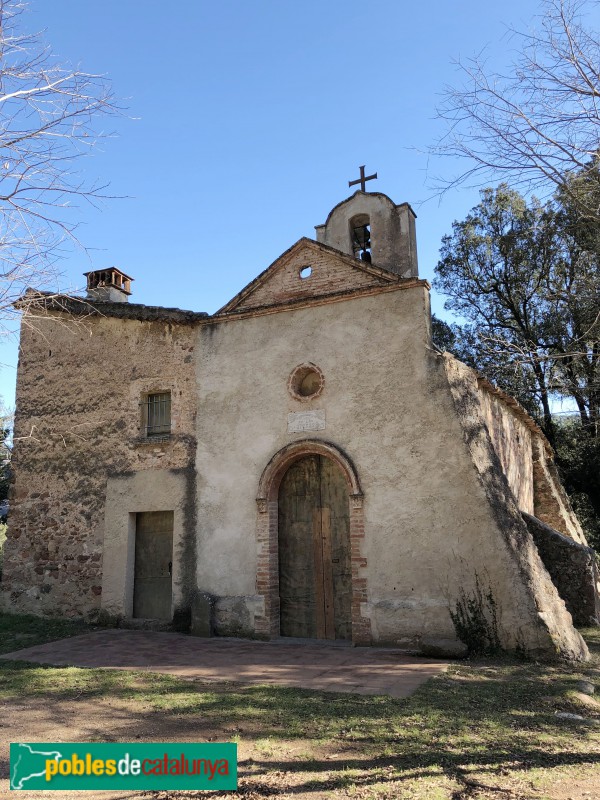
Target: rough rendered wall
[540,624]
[511,439]
[393,235]
[573,570]
[527,462]
[77,424]
[429,524]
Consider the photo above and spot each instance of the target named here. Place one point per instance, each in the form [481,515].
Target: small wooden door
[315,577]
[152,587]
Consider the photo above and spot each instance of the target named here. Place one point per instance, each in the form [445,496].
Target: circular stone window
[306,382]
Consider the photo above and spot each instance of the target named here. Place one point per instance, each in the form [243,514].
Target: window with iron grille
[157,414]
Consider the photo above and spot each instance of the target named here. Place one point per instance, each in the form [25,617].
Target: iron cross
[362,180]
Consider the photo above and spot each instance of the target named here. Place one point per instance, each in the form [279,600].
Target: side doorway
[315,575]
[152,587]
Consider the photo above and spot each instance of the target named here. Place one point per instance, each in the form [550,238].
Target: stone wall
[512,441]
[573,570]
[551,503]
[77,424]
[527,461]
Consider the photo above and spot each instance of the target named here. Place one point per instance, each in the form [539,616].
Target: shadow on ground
[465,733]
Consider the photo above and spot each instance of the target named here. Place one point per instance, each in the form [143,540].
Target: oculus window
[306,382]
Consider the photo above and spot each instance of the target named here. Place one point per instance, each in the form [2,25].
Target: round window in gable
[305,272]
[306,382]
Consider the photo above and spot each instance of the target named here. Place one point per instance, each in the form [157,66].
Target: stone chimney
[108,285]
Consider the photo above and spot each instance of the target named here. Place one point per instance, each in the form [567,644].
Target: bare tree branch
[540,123]
[48,121]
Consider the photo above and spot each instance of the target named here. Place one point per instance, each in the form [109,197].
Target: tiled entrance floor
[322,667]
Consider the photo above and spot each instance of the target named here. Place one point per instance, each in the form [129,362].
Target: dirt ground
[267,769]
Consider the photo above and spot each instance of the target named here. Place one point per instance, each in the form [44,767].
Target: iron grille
[158,414]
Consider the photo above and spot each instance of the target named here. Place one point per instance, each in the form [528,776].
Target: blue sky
[245,122]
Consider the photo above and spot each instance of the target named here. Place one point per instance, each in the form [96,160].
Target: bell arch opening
[360,237]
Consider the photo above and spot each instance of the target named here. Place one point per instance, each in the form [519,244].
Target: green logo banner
[123,766]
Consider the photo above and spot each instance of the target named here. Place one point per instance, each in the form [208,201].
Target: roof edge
[33,300]
[255,283]
[516,407]
[367,194]
[319,300]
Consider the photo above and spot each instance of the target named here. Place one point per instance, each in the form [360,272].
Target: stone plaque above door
[301,421]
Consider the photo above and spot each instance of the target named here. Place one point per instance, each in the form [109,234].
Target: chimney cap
[110,284]
[109,269]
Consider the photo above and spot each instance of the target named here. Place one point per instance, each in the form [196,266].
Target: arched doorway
[315,573]
[267,535]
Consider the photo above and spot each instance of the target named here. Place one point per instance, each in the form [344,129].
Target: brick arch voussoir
[273,473]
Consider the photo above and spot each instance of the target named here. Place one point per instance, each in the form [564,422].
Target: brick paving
[318,666]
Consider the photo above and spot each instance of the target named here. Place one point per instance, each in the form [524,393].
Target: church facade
[303,463]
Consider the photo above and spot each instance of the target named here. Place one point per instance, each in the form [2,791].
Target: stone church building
[305,461]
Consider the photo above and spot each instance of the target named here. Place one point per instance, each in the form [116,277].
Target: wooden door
[315,578]
[152,589]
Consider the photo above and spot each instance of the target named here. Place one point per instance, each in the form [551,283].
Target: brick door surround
[267,525]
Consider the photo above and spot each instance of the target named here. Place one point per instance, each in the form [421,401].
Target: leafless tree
[538,125]
[48,122]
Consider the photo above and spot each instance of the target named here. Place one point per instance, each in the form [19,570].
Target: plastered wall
[430,530]
[533,617]
[393,235]
[511,439]
[551,503]
[126,495]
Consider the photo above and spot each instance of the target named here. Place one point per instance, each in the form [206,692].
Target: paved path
[323,667]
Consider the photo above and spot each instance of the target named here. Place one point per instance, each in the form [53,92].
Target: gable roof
[351,274]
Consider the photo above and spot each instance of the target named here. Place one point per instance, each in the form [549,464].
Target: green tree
[525,279]
[5,456]
[576,301]
[494,270]
[578,459]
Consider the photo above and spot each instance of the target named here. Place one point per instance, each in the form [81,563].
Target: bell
[362,236]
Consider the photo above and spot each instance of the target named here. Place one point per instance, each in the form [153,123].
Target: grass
[20,630]
[486,729]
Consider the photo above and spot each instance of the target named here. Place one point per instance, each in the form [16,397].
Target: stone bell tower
[371,227]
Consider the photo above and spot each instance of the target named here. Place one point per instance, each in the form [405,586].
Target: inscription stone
[300,421]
